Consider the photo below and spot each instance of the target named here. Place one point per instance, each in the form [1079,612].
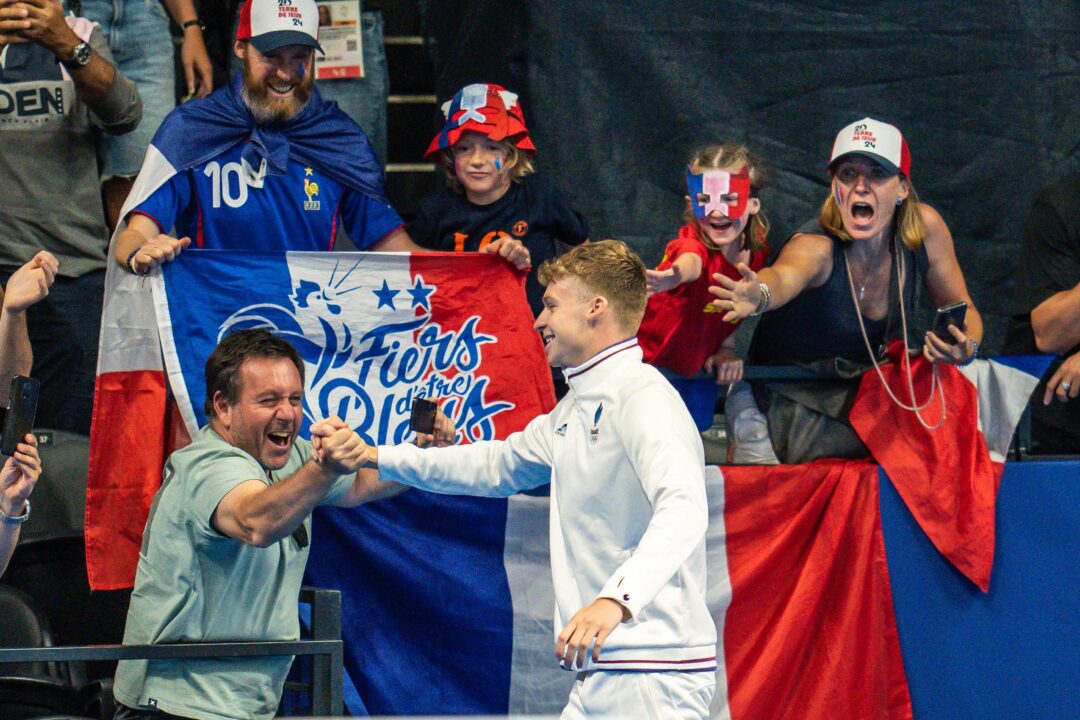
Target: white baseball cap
[270,24]
[877,140]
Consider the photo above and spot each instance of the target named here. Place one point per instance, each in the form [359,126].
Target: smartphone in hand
[422,418]
[21,411]
[949,315]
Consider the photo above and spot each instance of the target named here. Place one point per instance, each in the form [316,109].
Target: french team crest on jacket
[311,189]
[594,434]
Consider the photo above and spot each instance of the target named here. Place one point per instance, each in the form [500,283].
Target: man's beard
[266,109]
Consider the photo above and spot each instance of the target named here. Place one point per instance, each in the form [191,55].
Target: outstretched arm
[686,269]
[805,262]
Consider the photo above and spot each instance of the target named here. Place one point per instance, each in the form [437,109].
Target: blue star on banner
[420,293]
[386,296]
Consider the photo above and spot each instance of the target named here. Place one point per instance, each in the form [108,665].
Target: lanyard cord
[905,362]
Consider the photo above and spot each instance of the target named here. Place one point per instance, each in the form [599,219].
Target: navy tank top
[821,323]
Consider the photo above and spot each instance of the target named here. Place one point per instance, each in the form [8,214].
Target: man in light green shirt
[226,541]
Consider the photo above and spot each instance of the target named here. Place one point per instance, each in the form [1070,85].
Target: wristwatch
[18,520]
[80,56]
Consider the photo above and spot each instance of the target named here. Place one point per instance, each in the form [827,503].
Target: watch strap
[80,56]
[18,520]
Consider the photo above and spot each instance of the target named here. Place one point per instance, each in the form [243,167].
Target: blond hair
[907,221]
[517,165]
[608,268]
[731,155]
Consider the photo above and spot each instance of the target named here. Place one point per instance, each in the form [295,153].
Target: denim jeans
[139,39]
[362,99]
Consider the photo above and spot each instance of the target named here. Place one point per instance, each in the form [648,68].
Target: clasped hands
[339,449]
[39,21]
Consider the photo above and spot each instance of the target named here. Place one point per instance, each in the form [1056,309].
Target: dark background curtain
[618,93]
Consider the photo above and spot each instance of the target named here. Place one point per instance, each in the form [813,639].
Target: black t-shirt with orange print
[533,211]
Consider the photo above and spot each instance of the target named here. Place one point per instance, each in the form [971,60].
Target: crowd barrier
[325,647]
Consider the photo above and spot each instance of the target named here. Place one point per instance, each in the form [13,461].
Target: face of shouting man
[266,417]
[277,83]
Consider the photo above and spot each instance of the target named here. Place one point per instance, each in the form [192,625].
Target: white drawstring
[935,381]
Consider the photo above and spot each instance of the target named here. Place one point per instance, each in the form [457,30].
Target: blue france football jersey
[214,206]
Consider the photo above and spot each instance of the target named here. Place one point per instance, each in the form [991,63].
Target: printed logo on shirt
[561,430]
[594,434]
[710,308]
[25,107]
[520,228]
[311,189]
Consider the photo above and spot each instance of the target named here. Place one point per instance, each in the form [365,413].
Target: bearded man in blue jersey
[264,163]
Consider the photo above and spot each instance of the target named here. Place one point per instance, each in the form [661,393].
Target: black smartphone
[422,419]
[949,315]
[21,410]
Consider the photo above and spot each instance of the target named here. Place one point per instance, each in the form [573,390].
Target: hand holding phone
[18,419]
[949,315]
[422,418]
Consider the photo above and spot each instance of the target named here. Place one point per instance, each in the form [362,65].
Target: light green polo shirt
[196,585]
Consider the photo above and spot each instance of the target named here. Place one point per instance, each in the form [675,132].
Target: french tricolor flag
[447,601]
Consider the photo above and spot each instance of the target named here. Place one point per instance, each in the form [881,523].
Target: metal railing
[325,647]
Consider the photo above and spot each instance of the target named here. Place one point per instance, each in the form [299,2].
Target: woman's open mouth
[863,212]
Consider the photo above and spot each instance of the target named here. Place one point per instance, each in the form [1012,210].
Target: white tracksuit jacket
[628,505]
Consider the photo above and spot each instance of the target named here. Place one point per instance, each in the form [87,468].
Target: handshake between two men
[340,450]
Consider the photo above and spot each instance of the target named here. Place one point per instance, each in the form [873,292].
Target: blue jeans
[362,99]
[139,39]
[699,394]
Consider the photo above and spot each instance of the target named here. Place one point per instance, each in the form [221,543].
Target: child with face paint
[492,190]
[682,333]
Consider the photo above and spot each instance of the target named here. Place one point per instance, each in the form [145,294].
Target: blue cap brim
[280,38]
[869,156]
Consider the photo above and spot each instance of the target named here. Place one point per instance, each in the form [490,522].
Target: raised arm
[804,262]
[28,285]
[259,514]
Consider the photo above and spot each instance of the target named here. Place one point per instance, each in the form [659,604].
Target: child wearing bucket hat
[492,191]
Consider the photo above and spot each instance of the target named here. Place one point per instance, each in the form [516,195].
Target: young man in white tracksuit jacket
[628,505]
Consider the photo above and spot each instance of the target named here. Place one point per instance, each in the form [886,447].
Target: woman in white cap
[841,288]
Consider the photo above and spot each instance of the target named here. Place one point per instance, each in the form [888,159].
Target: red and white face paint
[718,191]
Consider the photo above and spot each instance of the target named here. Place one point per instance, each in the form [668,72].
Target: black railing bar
[173,650]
